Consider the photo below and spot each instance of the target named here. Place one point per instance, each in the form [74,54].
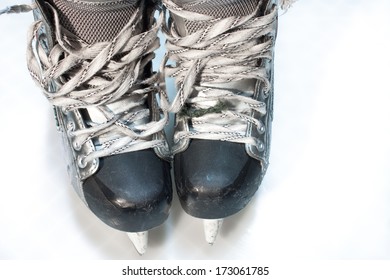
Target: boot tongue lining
[215,8]
[220,8]
[98,21]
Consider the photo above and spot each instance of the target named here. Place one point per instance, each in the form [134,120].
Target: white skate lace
[103,77]
[226,50]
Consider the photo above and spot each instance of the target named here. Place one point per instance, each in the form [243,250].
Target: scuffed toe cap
[216,179]
[131,192]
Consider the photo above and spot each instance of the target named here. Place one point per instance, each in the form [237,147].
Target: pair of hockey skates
[93,61]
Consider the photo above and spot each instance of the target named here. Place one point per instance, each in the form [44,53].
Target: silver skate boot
[92,60]
[220,54]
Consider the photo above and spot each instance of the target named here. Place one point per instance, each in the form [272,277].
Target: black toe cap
[130,192]
[216,179]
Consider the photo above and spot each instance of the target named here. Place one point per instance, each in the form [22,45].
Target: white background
[327,191]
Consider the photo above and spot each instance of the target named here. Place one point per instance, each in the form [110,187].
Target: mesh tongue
[220,8]
[215,8]
[95,20]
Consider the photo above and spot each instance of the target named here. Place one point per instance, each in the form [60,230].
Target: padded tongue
[219,8]
[215,8]
[95,20]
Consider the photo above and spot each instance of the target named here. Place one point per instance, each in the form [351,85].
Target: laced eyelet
[76,146]
[64,110]
[70,126]
[81,161]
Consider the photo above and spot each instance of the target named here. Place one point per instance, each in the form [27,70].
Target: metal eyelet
[70,126]
[81,161]
[64,110]
[76,146]
[260,147]
[261,129]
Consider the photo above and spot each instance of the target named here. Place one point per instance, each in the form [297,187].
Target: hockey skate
[93,61]
[220,54]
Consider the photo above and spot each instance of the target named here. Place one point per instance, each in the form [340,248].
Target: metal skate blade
[211,229]
[140,241]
